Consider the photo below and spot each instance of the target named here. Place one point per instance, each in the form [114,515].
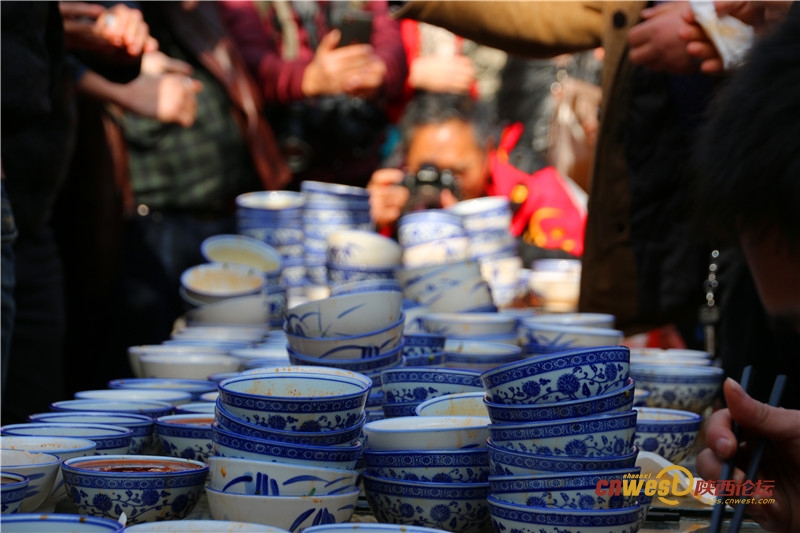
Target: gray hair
[437,108]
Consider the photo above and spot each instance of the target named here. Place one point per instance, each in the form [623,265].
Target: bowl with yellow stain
[244,250]
[211,282]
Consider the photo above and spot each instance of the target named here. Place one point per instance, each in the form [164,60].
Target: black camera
[426,185]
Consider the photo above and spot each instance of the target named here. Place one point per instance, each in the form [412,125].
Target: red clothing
[260,44]
[545,211]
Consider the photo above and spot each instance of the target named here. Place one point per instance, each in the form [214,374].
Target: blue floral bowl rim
[74,465]
[550,357]
[630,386]
[126,419]
[539,423]
[363,387]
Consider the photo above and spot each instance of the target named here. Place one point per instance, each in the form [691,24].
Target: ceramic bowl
[429,466]
[640,397]
[468,324]
[221,332]
[192,367]
[668,432]
[256,309]
[59,523]
[229,444]
[347,435]
[427,226]
[364,365]
[351,347]
[292,513]
[195,386]
[590,436]
[271,201]
[211,396]
[413,384]
[667,360]
[492,245]
[590,320]
[12,492]
[222,280]
[247,476]
[543,338]
[357,248]
[193,408]
[345,315]
[433,359]
[144,487]
[366,527]
[41,470]
[366,285]
[479,355]
[110,439]
[135,352]
[173,397]
[423,343]
[187,436]
[296,400]
[559,291]
[471,296]
[564,376]
[563,490]
[501,272]
[151,408]
[427,433]
[339,274]
[689,388]
[242,250]
[489,213]
[462,404]
[140,425]
[203,526]
[506,462]
[423,284]
[673,353]
[324,192]
[610,402]
[454,507]
[526,519]
[437,252]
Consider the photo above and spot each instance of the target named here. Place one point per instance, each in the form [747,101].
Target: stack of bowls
[428,471]
[361,332]
[678,385]
[545,334]
[244,250]
[298,415]
[330,207]
[670,433]
[561,423]
[427,284]
[502,274]
[359,255]
[486,221]
[406,388]
[432,237]
[557,283]
[276,218]
[484,327]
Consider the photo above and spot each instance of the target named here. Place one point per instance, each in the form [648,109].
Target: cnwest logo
[665,483]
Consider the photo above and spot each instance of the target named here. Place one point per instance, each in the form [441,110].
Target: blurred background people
[327,99]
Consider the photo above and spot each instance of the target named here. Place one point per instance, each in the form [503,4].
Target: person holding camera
[449,156]
[329,70]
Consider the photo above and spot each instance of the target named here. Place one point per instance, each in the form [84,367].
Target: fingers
[719,434]
[651,12]
[80,9]
[329,41]
[385,176]
[771,422]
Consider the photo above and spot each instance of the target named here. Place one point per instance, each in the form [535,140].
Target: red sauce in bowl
[136,465]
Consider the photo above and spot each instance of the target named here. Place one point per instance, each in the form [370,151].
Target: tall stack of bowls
[428,471]
[557,283]
[450,287]
[486,222]
[360,332]
[406,388]
[360,255]
[309,417]
[432,237]
[330,207]
[276,218]
[561,423]
[545,334]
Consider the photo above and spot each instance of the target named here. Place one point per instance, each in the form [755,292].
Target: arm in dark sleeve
[388,46]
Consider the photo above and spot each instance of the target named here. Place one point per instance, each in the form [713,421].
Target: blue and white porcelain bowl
[12,492]
[345,315]
[298,400]
[347,435]
[369,344]
[426,433]
[135,352]
[564,376]
[366,285]
[616,401]
[433,359]
[59,523]
[366,527]
[242,250]
[144,487]
[489,213]
[229,444]
[479,355]
[151,408]
[506,462]
[193,408]
[247,476]
[526,519]
[541,338]
[193,367]
[563,490]
[110,439]
[215,281]
[426,226]
[423,343]
[415,384]
[640,397]
[140,425]
[195,386]
[357,248]
[461,404]
[364,365]
[394,410]
[471,296]
[591,320]
[203,526]
[437,252]
[173,397]
[324,192]
[338,274]
[590,436]
[468,324]
[423,284]
[187,436]
[291,513]
[690,388]
[41,470]
[457,507]
[430,466]
[221,332]
[668,432]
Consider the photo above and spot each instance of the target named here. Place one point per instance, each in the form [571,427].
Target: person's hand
[442,74]
[119,33]
[386,196]
[781,462]
[156,63]
[170,98]
[348,69]
[655,43]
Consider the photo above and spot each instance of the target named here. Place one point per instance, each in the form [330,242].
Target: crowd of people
[129,129]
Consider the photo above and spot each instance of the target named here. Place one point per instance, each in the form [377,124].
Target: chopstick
[758,453]
[718,514]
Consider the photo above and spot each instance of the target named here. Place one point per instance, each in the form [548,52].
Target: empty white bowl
[135,352]
[203,526]
[427,433]
[40,469]
[468,324]
[222,280]
[242,250]
[173,397]
[461,404]
[196,366]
